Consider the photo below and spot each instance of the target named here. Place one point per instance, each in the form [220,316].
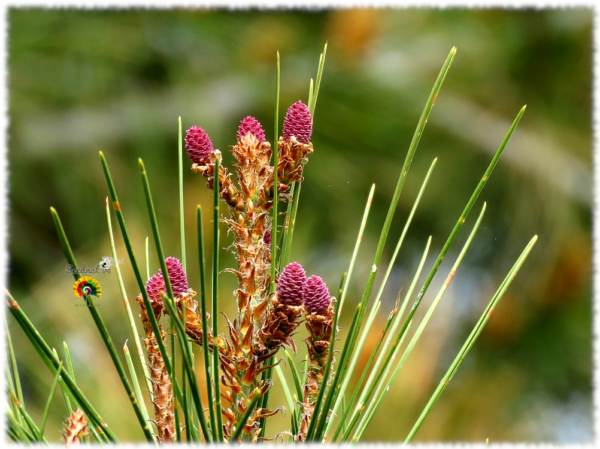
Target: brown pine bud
[281,321]
[227,190]
[76,428]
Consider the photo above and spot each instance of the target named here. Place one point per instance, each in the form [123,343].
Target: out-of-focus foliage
[81,81]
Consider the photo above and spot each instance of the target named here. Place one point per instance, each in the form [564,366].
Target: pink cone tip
[316,295]
[291,284]
[250,124]
[177,276]
[154,286]
[198,145]
[298,123]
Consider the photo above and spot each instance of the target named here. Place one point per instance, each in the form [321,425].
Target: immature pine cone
[294,146]
[283,316]
[250,124]
[298,123]
[198,145]
[177,276]
[156,284]
[316,296]
[291,284]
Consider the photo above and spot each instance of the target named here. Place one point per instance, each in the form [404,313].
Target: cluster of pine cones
[265,320]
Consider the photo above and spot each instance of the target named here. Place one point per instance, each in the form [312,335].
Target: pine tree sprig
[472,337]
[101,326]
[54,365]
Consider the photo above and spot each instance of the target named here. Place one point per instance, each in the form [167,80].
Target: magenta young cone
[198,145]
[298,123]
[250,124]
[291,284]
[177,276]
[316,295]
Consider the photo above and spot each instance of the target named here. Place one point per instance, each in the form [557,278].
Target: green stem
[150,311]
[49,401]
[205,349]
[173,313]
[134,380]
[181,209]
[380,293]
[54,365]
[215,303]
[132,325]
[359,240]
[472,338]
[415,338]
[242,422]
[101,327]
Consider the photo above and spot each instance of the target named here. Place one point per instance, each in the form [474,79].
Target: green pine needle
[49,401]
[101,327]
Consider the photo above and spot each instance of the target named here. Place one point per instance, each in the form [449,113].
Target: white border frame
[315,4]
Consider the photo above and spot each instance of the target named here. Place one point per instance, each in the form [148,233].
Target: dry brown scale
[320,327]
[75,428]
[292,157]
[162,391]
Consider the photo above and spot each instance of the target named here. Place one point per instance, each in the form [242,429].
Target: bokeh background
[81,81]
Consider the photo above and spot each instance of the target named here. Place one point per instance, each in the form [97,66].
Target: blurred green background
[81,81]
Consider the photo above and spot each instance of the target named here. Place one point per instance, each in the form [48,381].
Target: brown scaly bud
[253,155]
[280,322]
[253,257]
[294,146]
[250,222]
[320,315]
[75,428]
[227,190]
[162,397]
[193,320]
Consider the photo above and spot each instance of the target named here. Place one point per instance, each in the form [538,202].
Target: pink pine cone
[198,145]
[316,295]
[250,124]
[177,276]
[298,123]
[291,284]
[154,286]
